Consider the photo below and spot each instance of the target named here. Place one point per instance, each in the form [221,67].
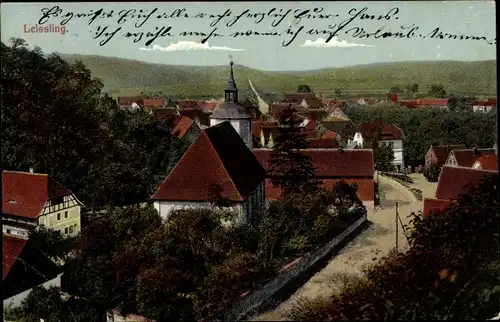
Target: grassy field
[130,77]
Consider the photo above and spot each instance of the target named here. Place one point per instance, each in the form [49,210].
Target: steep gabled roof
[12,248]
[218,157]
[154,102]
[181,127]
[387,131]
[454,181]
[25,194]
[442,151]
[487,162]
[467,157]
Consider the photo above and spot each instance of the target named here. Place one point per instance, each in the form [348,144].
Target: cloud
[184,45]
[334,42]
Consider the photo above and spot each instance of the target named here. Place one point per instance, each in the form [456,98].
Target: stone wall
[256,299]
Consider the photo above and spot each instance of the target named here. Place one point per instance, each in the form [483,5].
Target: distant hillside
[129,77]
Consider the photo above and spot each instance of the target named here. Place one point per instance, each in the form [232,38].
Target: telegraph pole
[397,234]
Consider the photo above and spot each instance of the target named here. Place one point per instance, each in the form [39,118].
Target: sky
[308,50]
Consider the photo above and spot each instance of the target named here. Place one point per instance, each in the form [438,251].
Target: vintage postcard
[263,161]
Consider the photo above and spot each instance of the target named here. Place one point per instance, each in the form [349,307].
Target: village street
[376,241]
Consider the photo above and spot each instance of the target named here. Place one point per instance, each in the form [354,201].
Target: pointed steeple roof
[231,83]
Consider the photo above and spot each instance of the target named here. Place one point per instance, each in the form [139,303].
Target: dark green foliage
[459,103]
[52,243]
[425,126]
[303,89]
[384,157]
[56,120]
[432,173]
[450,271]
[289,168]
[437,91]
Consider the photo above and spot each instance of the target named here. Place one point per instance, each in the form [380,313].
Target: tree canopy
[57,120]
[304,89]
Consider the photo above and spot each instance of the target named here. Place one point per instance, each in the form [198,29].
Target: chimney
[31,170]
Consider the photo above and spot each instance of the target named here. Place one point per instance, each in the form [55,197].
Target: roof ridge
[25,172]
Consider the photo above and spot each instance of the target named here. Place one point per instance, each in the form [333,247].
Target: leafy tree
[338,92]
[437,91]
[459,103]
[395,90]
[304,89]
[432,173]
[289,167]
[52,243]
[452,262]
[383,157]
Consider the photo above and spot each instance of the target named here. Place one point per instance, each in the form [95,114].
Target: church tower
[230,110]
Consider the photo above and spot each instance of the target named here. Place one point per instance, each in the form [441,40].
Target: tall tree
[304,89]
[289,167]
[437,91]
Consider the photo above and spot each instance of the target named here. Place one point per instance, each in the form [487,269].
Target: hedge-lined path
[373,243]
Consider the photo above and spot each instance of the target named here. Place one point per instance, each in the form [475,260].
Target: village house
[425,103]
[466,157]
[438,154]
[217,164]
[151,103]
[31,199]
[186,129]
[452,183]
[345,128]
[130,102]
[230,110]
[389,135]
[486,162]
[24,267]
[485,105]
[304,100]
[333,165]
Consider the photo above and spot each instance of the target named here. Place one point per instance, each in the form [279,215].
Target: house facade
[484,106]
[32,199]
[186,129]
[218,164]
[466,157]
[438,154]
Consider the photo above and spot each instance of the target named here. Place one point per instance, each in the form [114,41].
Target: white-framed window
[65,214]
[58,216]
[66,230]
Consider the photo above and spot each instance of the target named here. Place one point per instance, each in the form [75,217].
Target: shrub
[297,244]
[432,173]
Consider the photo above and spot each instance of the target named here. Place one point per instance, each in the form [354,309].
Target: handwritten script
[146,26]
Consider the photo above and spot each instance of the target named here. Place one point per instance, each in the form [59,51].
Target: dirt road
[373,243]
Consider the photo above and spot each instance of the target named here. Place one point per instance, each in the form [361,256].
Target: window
[70,229]
[66,230]
[391,144]
[65,214]
[58,216]
[8,231]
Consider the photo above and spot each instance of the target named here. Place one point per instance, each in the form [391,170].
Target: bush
[432,173]
[297,244]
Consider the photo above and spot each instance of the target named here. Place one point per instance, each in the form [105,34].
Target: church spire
[231,90]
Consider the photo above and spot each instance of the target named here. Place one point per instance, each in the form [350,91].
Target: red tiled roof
[322,143]
[329,135]
[181,127]
[128,100]
[12,248]
[164,112]
[154,102]
[467,157]
[487,162]
[315,114]
[189,104]
[332,163]
[25,194]
[387,131]
[432,101]
[196,113]
[366,188]
[488,102]
[297,97]
[438,205]
[232,167]
[441,152]
[453,181]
